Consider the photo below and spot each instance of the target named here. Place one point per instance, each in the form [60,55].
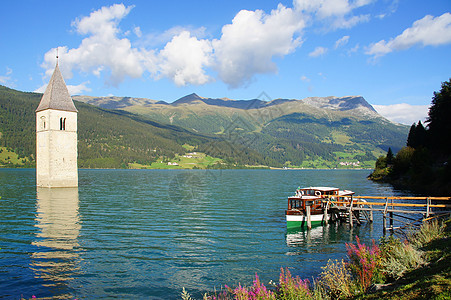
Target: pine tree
[411,138]
[421,135]
[389,156]
[417,136]
[439,121]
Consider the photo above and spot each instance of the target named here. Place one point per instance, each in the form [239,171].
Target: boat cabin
[313,196]
[310,196]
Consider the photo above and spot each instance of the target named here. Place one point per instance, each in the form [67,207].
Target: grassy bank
[431,280]
[415,267]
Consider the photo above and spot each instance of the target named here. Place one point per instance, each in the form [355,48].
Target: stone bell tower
[56,136]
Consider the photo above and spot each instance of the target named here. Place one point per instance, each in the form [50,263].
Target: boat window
[309,192]
[295,204]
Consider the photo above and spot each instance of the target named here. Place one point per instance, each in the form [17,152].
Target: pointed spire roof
[56,95]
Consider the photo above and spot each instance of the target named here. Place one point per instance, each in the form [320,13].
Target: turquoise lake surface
[132,234]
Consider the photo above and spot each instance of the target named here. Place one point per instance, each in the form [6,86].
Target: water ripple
[135,233]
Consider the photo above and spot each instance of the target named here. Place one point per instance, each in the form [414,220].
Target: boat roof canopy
[345,193]
[320,188]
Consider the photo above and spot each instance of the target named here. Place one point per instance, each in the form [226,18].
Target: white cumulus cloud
[428,31]
[184,58]
[101,49]
[403,113]
[249,43]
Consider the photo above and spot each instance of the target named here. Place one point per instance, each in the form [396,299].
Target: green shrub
[428,231]
[336,280]
[399,257]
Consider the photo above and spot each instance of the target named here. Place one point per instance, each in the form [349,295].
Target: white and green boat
[311,196]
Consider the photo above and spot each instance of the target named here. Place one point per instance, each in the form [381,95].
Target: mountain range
[312,132]
[334,103]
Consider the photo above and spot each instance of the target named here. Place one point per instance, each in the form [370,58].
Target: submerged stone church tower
[56,136]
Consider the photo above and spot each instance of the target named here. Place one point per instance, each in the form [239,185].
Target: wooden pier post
[309,218]
[350,218]
[390,215]
[350,212]
[371,213]
[384,219]
[326,216]
[333,216]
[384,223]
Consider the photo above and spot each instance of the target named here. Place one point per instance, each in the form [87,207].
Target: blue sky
[395,53]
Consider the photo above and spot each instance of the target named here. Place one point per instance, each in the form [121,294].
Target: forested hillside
[342,139]
[17,121]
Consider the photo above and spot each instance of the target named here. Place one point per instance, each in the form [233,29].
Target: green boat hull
[297,221]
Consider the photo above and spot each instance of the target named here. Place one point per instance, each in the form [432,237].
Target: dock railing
[399,209]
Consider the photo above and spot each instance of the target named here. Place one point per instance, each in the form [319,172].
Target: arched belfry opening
[42,122]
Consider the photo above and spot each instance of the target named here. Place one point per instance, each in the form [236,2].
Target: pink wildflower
[363,261]
[290,287]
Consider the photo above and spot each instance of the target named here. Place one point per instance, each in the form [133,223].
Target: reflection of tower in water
[59,225]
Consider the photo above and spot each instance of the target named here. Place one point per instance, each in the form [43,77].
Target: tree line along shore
[424,164]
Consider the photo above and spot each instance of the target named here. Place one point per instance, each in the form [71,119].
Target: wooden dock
[407,212]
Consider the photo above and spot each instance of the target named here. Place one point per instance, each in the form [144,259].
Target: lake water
[131,234]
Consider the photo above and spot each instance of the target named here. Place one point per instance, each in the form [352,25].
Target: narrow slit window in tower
[62,123]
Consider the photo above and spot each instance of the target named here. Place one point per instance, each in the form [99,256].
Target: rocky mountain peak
[187,99]
[340,103]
